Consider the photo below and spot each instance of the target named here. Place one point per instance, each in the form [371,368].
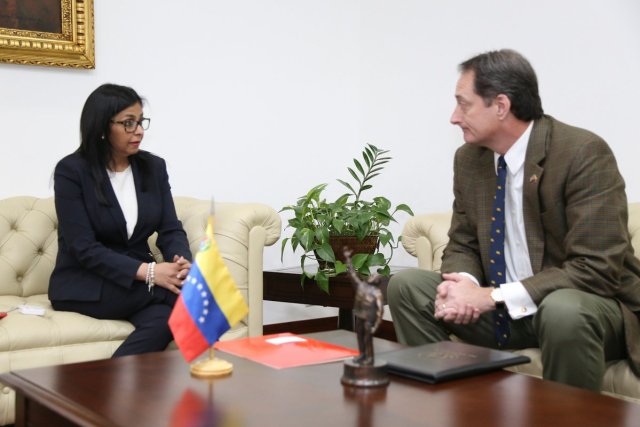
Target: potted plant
[321,228]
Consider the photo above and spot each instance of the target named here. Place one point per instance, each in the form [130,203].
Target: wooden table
[156,390]
[283,285]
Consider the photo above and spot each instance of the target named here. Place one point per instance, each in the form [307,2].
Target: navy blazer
[93,247]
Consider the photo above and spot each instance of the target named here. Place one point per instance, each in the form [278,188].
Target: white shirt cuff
[462,273]
[518,300]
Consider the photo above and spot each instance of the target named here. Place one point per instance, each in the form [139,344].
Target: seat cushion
[58,337]
[23,336]
[619,380]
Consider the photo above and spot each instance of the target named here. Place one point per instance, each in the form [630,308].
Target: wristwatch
[497,297]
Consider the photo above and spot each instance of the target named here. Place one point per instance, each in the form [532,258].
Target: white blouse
[125,189]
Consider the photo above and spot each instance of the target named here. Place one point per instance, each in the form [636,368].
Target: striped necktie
[498,267]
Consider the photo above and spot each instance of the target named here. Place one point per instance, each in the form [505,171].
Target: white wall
[586,54]
[258,100]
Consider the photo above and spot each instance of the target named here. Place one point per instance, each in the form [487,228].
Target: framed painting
[47,32]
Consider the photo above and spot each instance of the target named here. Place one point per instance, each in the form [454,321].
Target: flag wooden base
[211,368]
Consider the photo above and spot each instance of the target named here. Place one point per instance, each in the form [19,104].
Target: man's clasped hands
[460,300]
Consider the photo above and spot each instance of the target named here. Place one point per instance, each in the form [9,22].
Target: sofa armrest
[425,237]
[241,230]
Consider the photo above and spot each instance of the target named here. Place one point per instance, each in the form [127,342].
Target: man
[539,253]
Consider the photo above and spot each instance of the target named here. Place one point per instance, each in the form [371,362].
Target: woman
[110,196]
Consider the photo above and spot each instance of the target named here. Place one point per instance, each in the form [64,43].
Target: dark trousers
[148,312]
[577,332]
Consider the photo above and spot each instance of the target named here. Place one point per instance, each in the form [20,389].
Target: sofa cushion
[53,329]
[61,335]
[619,380]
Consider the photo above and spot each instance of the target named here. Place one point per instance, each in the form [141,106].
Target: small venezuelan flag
[209,304]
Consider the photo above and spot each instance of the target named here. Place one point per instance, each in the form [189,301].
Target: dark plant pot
[366,246]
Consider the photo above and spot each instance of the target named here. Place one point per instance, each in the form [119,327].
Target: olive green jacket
[575,216]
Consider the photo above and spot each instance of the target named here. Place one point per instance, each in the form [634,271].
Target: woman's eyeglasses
[131,125]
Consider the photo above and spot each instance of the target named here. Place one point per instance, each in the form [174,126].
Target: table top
[157,390]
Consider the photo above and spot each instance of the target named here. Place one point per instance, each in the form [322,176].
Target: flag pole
[211,367]
[209,305]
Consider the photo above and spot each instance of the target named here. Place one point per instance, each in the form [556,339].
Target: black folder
[447,360]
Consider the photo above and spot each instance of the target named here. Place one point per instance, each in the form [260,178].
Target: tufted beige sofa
[28,247]
[425,237]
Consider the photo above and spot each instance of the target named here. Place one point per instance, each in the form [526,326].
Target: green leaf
[385,238]
[366,159]
[314,193]
[358,260]
[404,208]
[321,235]
[354,175]
[364,270]
[385,271]
[322,280]
[362,231]
[359,166]
[340,267]
[346,184]
[383,215]
[284,243]
[338,225]
[382,201]
[342,200]
[326,253]
[305,274]
[369,152]
[306,239]
[376,259]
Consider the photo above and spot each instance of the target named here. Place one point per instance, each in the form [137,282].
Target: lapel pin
[533,178]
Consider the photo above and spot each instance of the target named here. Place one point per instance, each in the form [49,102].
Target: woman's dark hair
[508,72]
[95,124]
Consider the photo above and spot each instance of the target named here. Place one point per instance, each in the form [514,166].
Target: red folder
[285,350]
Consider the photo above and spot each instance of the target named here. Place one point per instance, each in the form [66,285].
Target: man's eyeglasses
[131,125]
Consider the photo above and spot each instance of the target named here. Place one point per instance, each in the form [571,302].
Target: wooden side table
[283,285]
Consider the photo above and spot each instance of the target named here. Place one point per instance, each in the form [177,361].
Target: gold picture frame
[31,41]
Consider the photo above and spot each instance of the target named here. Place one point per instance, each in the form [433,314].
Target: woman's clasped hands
[171,275]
